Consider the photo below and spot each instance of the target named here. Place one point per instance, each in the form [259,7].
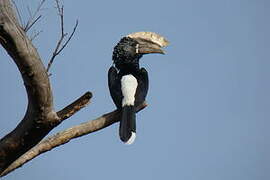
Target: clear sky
[208,113]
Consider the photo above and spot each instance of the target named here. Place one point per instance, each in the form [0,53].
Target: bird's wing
[115,87]
[142,88]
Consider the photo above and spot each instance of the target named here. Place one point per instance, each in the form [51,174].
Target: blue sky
[208,113]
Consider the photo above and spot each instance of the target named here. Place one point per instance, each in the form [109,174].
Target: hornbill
[128,83]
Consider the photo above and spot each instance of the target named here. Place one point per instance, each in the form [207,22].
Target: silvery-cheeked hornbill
[128,83]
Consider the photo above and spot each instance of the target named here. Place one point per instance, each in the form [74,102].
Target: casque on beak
[147,47]
[149,42]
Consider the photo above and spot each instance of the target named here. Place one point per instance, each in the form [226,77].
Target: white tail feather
[131,139]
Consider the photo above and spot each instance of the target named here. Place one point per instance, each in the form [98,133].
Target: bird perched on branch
[128,83]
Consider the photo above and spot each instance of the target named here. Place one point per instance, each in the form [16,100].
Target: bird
[128,82]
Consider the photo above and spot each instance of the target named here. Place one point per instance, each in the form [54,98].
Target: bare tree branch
[69,38]
[75,106]
[24,142]
[40,117]
[40,101]
[33,18]
[60,45]
[67,135]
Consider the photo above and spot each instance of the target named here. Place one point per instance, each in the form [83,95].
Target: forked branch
[67,135]
[40,117]
[61,44]
[25,141]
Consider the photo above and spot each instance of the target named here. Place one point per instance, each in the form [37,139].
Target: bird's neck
[130,68]
[126,71]
[127,63]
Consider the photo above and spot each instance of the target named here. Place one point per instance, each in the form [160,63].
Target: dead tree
[25,141]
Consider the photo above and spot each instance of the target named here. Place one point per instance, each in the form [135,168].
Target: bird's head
[131,48]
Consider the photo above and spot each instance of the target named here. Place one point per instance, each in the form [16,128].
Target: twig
[29,12]
[32,24]
[32,20]
[60,45]
[69,38]
[61,14]
[67,135]
[18,12]
[35,35]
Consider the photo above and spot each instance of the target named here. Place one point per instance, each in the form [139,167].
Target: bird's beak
[147,47]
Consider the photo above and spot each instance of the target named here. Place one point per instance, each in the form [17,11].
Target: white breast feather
[128,86]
